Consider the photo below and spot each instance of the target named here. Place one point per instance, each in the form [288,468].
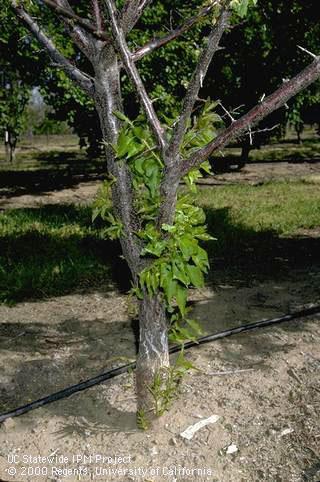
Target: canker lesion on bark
[108,54]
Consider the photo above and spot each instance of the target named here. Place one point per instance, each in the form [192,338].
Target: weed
[142,420]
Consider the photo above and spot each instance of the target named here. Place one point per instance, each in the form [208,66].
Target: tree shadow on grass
[26,182]
[239,249]
[54,171]
[54,250]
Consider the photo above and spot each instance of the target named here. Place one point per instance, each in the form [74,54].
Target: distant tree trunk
[244,158]
[10,146]
[299,129]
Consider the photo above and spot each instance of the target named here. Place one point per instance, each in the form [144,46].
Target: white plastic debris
[153,452]
[232,449]
[190,431]
[286,431]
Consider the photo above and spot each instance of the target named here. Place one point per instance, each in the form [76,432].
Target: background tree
[159,227]
[20,68]
[248,50]
[14,96]
[173,64]
[266,45]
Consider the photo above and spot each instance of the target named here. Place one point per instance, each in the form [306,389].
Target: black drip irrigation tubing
[66,392]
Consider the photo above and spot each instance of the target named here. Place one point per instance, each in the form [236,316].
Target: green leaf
[95,214]
[179,273]
[122,117]
[168,227]
[188,246]
[138,165]
[156,249]
[201,259]
[134,149]
[171,290]
[195,326]
[181,297]
[195,276]
[206,167]
[205,237]
[123,143]
[182,362]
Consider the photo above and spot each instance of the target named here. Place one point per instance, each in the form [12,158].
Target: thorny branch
[121,25]
[96,8]
[174,34]
[269,104]
[196,81]
[81,37]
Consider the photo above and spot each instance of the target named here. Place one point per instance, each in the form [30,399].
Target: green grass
[258,227]
[308,151]
[280,207]
[283,151]
[54,250]
[49,251]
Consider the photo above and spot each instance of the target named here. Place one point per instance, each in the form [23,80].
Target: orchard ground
[65,317]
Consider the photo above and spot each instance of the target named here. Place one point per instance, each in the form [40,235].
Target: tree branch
[85,24]
[271,103]
[73,72]
[131,12]
[196,81]
[81,38]
[98,17]
[175,33]
[121,46]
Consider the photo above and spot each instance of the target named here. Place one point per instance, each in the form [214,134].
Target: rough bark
[107,99]
[153,357]
[153,345]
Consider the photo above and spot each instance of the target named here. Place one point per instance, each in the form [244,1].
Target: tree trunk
[10,146]
[153,357]
[244,155]
[10,152]
[299,130]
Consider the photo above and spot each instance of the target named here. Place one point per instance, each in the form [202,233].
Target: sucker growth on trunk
[160,229]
